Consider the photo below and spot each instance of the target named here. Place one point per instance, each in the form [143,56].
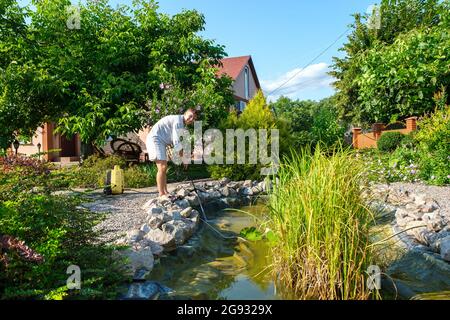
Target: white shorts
[156,149]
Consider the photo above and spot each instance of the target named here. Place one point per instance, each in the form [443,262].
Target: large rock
[156,248]
[435,221]
[436,239]
[149,204]
[234,185]
[181,230]
[420,200]
[232,202]
[182,193]
[401,213]
[166,240]
[183,203]
[185,213]
[402,222]
[135,235]
[445,248]
[247,184]
[148,290]
[195,217]
[224,181]
[155,210]
[247,191]
[204,196]
[418,230]
[139,262]
[228,192]
[145,228]
[193,200]
[214,194]
[155,221]
[256,190]
[174,215]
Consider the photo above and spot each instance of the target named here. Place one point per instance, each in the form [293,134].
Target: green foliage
[402,165]
[392,72]
[140,176]
[400,80]
[103,79]
[433,140]
[422,157]
[310,122]
[256,115]
[92,173]
[57,228]
[390,141]
[251,234]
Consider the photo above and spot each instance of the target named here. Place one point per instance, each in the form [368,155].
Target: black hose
[205,218]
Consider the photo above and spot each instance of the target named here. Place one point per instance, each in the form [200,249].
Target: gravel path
[440,194]
[124,211]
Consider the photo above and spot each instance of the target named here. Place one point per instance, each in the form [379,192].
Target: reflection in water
[210,267]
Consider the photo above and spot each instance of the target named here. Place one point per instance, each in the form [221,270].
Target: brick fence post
[377,128]
[411,124]
[355,138]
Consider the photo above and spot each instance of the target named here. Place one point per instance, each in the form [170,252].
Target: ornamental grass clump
[321,223]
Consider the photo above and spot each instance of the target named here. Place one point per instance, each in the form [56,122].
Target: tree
[103,79]
[401,80]
[397,17]
[310,122]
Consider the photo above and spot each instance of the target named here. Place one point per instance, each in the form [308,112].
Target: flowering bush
[401,165]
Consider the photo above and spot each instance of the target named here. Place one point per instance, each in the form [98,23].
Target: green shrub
[390,141]
[433,139]
[256,115]
[321,222]
[310,122]
[57,228]
[92,173]
[140,176]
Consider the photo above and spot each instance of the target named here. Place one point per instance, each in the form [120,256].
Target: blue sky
[281,35]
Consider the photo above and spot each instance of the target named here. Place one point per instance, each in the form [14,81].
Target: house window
[246,83]
[242,106]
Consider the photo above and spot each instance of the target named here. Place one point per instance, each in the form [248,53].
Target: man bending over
[164,133]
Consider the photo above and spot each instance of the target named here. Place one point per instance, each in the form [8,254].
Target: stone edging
[419,221]
[170,224]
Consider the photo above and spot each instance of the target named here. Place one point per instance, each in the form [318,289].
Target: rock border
[419,220]
[170,223]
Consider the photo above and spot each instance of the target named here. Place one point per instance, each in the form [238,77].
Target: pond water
[211,267]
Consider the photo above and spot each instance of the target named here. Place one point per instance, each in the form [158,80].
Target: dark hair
[194,111]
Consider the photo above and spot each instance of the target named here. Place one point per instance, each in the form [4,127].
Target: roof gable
[235,65]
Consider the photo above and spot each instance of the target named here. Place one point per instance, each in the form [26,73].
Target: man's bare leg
[161,177]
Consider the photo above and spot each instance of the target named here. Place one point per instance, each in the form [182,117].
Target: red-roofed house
[245,86]
[245,79]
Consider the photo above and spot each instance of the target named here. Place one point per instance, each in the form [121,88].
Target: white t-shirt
[166,130]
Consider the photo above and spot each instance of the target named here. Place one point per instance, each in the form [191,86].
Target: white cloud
[304,81]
